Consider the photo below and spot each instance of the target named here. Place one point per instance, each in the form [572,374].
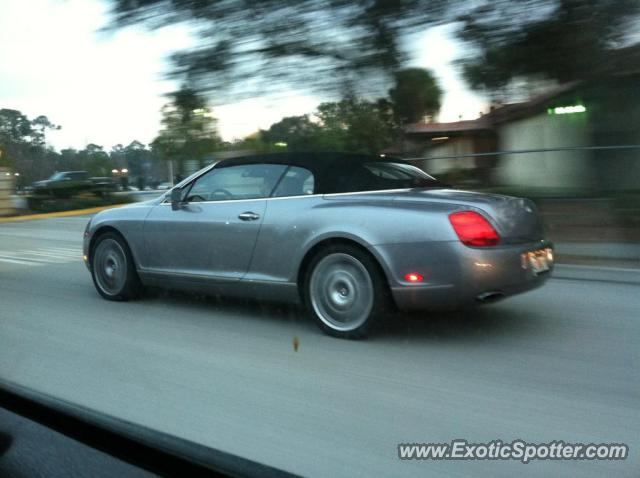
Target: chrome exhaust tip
[492,296]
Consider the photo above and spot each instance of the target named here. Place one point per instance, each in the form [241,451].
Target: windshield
[364,238]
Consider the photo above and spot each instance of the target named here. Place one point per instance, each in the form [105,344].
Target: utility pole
[170,167]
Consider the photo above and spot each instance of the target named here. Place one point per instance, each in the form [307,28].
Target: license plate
[538,261]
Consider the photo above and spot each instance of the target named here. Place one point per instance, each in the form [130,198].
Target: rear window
[296,182]
[378,176]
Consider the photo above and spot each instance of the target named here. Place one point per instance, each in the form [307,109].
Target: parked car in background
[71,183]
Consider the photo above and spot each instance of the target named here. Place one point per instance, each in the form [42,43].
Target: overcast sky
[108,88]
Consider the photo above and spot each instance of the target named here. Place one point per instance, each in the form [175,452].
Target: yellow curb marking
[47,215]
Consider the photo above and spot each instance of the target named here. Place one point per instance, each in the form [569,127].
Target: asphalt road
[559,363]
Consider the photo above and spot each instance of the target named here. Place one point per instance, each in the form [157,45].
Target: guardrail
[526,151]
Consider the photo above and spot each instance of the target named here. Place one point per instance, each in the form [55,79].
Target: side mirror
[176,198]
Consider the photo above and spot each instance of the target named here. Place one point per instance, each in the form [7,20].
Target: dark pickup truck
[72,183]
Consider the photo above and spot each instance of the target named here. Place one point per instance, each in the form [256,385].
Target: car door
[288,224]
[213,233]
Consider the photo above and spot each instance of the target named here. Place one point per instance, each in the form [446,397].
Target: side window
[296,182]
[78,176]
[247,181]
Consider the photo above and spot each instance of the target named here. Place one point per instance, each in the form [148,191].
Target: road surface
[559,363]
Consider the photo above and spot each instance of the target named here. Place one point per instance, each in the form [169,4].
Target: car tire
[346,292]
[112,268]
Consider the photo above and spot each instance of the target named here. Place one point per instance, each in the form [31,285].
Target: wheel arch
[318,247]
[100,231]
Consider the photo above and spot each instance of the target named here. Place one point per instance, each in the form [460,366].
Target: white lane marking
[60,254]
[75,255]
[32,258]
[42,256]
[16,261]
[60,249]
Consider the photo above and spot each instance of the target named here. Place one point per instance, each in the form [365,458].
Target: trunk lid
[515,219]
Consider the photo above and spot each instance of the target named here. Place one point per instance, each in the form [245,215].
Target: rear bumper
[456,275]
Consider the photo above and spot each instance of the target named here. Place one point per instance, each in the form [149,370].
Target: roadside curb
[47,215]
[604,274]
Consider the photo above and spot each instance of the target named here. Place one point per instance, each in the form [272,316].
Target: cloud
[437,50]
[108,88]
[101,88]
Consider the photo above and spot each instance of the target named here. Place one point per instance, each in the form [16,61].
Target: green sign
[566,110]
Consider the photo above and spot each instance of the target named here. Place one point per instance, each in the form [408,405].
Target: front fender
[128,221]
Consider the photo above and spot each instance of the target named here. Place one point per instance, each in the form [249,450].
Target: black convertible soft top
[345,172]
[315,162]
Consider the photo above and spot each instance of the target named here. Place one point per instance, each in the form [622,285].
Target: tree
[310,43]
[559,40]
[41,124]
[21,148]
[117,155]
[137,158]
[355,125]
[14,127]
[254,142]
[95,160]
[188,129]
[351,124]
[69,160]
[296,133]
[416,94]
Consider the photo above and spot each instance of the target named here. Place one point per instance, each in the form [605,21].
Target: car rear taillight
[473,229]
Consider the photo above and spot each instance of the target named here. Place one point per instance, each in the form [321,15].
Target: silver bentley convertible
[351,236]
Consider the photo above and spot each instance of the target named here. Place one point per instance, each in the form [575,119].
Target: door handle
[249,216]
